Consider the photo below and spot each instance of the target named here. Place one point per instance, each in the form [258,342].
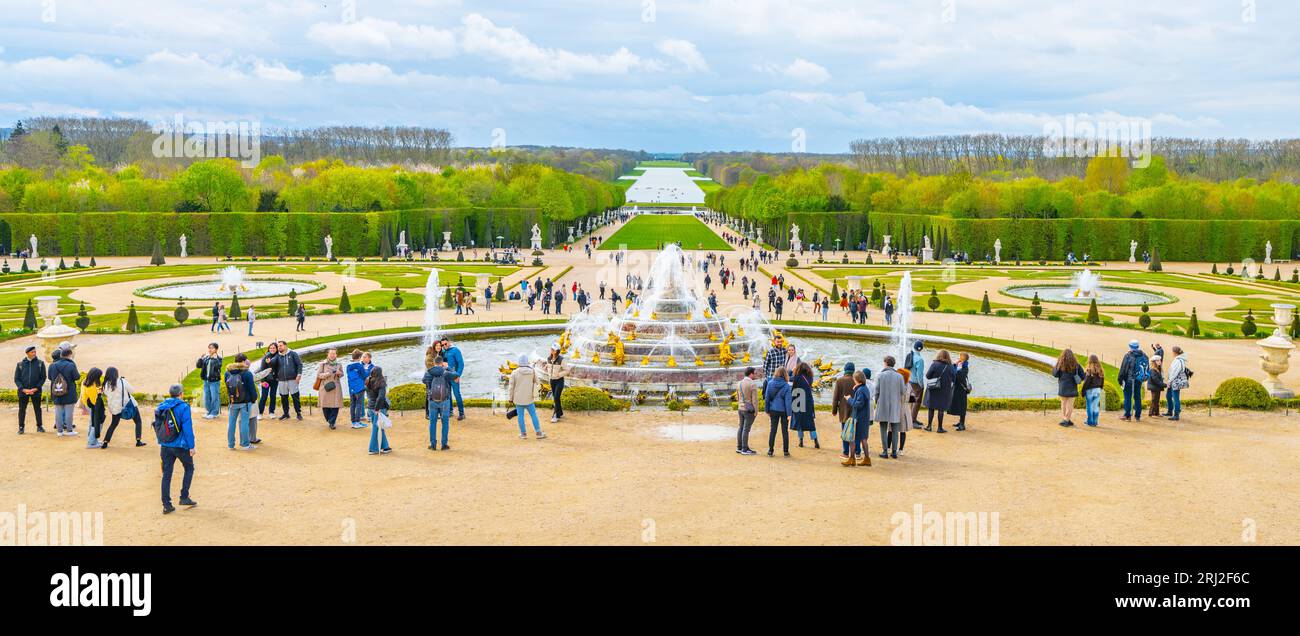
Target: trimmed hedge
[407,397]
[355,234]
[585,398]
[1243,393]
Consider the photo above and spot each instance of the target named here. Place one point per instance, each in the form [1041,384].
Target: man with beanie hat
[29,377]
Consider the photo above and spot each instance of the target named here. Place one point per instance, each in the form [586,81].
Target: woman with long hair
[92,399]
[1094,379]
[960,390]
[776,398]
[803,406]
[120,404]
[377,398]
[555,373]
[939,380]
[1068,375]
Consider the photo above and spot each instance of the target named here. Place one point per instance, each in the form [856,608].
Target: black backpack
[166,427]
[235,387]
[438,390]
[59,387]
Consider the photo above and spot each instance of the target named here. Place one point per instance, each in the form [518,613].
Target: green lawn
[648,232]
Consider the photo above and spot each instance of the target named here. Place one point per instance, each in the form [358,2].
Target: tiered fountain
[665,343]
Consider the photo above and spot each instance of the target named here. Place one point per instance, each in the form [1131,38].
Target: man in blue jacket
[181,448]
[455,364]
[357,371]
[64,377]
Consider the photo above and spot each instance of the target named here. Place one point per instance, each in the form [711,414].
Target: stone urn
[54,332]
[1275,352]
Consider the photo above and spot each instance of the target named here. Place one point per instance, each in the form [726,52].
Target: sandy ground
[615,479]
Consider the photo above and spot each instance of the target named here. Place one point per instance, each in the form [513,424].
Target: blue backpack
[1141,369]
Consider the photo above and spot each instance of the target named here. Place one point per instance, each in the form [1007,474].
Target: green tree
[1155,260]
[835,291]
[83,318]
[1193,325]
[1145,319]
[500,296]
[1214,268]
[1093,316]
[345,305]
[235,312]
[215,185]
[1248,327]
[1036,306]
[181,314]
[157,258]
[29,316]
[933,301]
[397,298]
[132,320]
[293,302]
[985,308]
[447,301]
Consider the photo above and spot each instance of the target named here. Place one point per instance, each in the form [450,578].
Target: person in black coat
[960,390]
[938,392]
[29,378]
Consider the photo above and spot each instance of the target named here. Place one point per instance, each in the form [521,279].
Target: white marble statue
[1132,251]
[795,244]
[537,237]
[1268,252]
[32,240]
[185,241]
[446,241]
[884,250]
[997,251]
[329,247]
[570,233]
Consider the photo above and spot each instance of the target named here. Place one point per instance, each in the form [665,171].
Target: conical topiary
[501,293]
[1194,325]
[235,312]
[132,320]
[1093,316]
[29,317]
[933,301]
[25,268]
[83,318]
[397,298]
[1248,327]
[293,302]
[1036,306]
[345,305]
[447,301]
[1145,319]
[92,262]
[158,258]
[62,264]
[984,305]
[1214,268]
[835,291]
[1155,260]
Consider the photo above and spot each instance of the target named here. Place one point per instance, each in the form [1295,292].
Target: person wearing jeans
[357,371]
[377,396]
[63,371]
[776,399]
[455,364]
[1179,379]
[437,386]
[556,371]
[1128,378]
[181,448]
[522,391]
[747,395]
[209,367]
[242,390]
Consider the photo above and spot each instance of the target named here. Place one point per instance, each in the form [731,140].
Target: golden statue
[725,356]
[619,356]
[672,361]
[595,358]
[645,361]
[698,362]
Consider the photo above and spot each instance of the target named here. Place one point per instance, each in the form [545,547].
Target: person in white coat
[120,404]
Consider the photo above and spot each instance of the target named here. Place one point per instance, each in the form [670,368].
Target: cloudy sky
[662,75]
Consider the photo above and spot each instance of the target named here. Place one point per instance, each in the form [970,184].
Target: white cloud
[480,36]
[800,70]
[683,51]
[368,73]
[372,37]
[276,71]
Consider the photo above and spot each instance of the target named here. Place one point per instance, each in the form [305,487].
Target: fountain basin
[1108,295]
[216,290]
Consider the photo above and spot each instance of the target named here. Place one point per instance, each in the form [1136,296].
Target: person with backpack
[92,399]
[456,364]
[29,379]
[1156,385]
[1068,375]
[175,430]
[1179,379]
[288,374]
[939,381]
[1134,370]
[266,376]
[777,403]
[64,376]
[329,387]
[438,380]
[209,366]
[120,404]
[357,370]
[377,398]
[522,393]
[1094,381]
[555,373]
[242,391]
[915,365]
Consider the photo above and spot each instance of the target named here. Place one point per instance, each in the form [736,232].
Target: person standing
[456,364]
[120,404]
[377,398]
[242,391]
[772,360]
[803,405]
[357,370]
[269,384]
[252,318]
[176,414]
[1068,375]
[841,394]
[776,398]
[329,387]
[1155,385]
[747,410]
[1094,379]
[64,376]
[302,317]
[209,366]
[29,379]
[891,407]
[522,392]
[216,316]
[939,380]
[92,399]
[438,380]
[960,390]
[889,310]
[1179,379]
[1133,371]
[288,375]
[860,405]
[915,365]
[556,371]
